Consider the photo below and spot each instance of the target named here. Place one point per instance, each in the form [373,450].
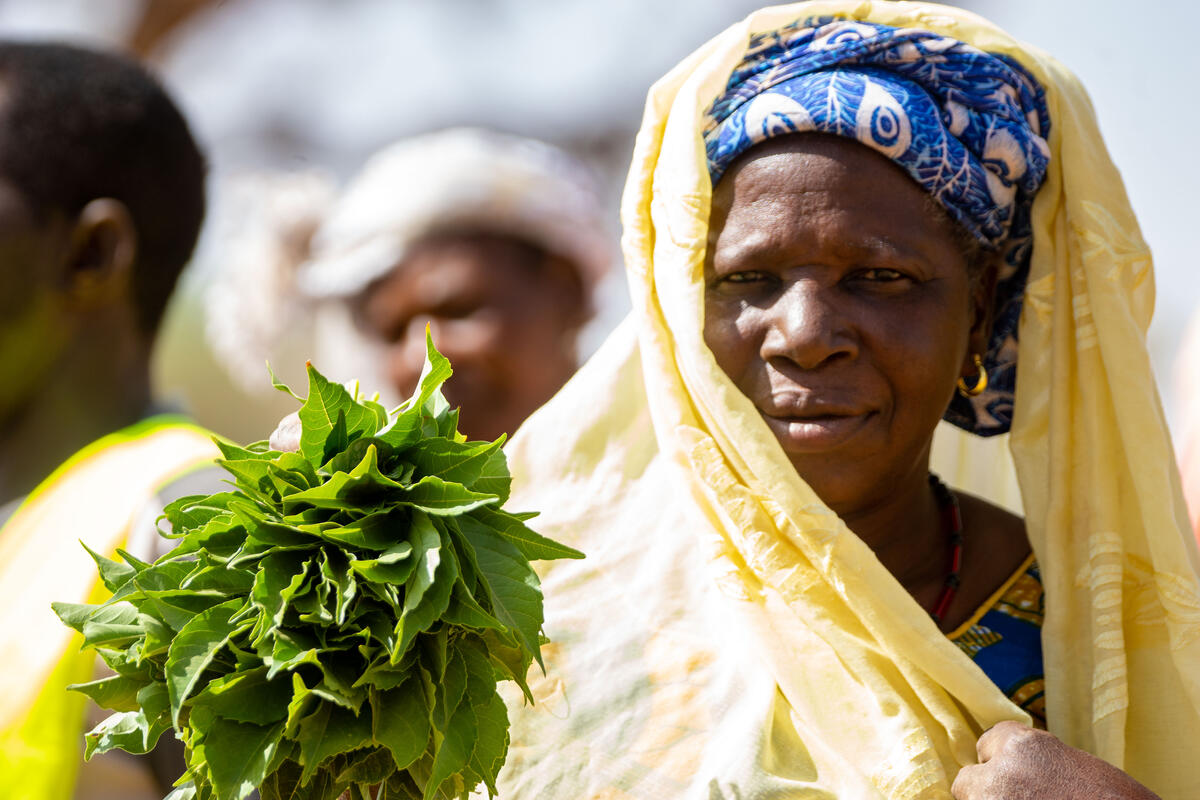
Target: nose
[806,327]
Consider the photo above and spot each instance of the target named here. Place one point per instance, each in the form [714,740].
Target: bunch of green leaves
[338,620]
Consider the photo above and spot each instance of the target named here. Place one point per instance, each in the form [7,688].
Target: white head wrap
[463,178]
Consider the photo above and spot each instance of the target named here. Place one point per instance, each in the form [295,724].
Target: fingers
[995,738]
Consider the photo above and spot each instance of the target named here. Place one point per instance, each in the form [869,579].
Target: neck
[100,384]
[905,530]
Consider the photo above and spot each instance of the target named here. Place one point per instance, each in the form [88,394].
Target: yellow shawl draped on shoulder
[727,636]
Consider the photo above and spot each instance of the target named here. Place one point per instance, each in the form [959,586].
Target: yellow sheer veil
[883,703]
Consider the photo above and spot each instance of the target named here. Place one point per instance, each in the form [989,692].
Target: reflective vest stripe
[94,497]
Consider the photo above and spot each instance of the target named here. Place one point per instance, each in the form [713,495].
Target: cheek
[922,352]
[731,331]
[31,340]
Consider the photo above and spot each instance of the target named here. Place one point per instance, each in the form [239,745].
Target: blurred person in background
[101,201]
[495,242]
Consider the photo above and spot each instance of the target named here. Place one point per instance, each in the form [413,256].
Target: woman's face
[505,314]
[839,302]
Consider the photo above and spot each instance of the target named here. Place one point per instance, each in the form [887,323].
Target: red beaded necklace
[952,522]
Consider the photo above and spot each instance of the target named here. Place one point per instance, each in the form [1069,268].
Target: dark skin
[505,313]
[68,330]
[74,360]
[842,305]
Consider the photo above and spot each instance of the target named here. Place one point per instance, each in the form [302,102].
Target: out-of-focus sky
[297,84]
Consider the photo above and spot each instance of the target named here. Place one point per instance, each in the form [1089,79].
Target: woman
[839,212]
[498,242]
[495,241]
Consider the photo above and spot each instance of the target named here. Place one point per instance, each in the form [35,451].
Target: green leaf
[329,731]
[130,731]
[163,576]
[367,767]
[381,530]
[480,466]
[178,607]
[363,486]
[234,452]
[512,587]
[113,574]
[247,697]
[533,546]
[223,533]
[426,543]
[433,495]
[285,784]
[335,568]
[420,615]
[393,565]
[157,637]
[254,477]
[185,792]
[287,654]
[127,662]
[381,414]
[194,649]
[219,578]
[280,385]
[454,751]
[281,577]
[74,615]
[401,721]
[340,620]
[112,625]
[319,417]
[116,692]
[303,703]
[509,656]
[193,511]
[299,466]
[465,610]
[238,754]
[450,689]
[491,715]
[355,452]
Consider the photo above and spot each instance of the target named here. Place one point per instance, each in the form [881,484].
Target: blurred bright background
[318,85]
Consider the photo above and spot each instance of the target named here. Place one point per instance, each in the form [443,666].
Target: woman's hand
[1020,763]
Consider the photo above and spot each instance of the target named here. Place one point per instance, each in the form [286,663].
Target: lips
[806,424]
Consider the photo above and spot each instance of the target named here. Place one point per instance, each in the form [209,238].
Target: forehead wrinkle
[768,224]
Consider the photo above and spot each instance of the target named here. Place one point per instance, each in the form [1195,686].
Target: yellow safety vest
[95,496]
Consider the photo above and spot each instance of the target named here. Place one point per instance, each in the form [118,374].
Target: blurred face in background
[503,311]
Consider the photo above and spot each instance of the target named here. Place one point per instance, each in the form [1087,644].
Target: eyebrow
[762,245]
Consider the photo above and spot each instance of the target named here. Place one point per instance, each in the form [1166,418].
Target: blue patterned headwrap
[968,126]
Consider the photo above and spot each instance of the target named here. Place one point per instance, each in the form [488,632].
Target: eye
[457,308]
[882,275]
[749,276]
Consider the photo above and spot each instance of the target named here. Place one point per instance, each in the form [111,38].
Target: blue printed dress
[1005,639]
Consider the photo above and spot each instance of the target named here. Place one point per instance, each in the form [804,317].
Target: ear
[103,248]
[983,305]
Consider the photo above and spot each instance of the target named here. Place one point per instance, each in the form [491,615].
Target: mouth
[816,430]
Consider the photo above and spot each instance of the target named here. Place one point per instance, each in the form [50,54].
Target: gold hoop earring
[981,380]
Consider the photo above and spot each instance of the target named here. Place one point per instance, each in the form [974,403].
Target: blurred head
[101,199]
[503,310]
[845,306]
[495,242]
